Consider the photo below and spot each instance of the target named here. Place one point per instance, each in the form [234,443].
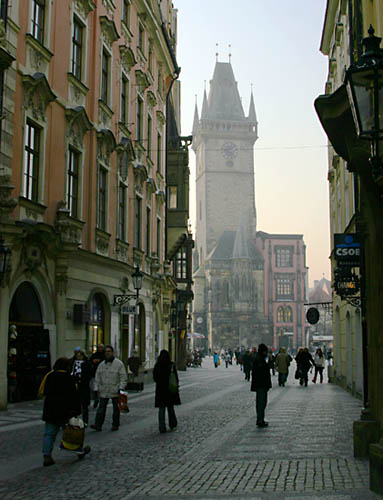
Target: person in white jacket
[320,363]
[110,378]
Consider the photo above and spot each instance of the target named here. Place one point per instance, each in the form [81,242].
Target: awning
[195,335]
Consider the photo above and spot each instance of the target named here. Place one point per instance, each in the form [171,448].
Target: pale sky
[275,47]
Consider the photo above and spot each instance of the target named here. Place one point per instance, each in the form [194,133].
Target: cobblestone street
[216,452]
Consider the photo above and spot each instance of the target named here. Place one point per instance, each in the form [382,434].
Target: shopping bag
[173,385]
[73,435]
[123,401]
[297,374]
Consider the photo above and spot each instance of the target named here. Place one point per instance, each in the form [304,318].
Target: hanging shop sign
[312,315]
[347,284]
[347,249]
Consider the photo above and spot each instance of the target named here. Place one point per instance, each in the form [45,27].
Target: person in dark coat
[247,364]
[62,401]
[81,372]
[261,383]
[165,398]
[304,362]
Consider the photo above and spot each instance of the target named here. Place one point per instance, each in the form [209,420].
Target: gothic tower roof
[224,102]
[204,111]
[241,245]
[252,115]
[196,119]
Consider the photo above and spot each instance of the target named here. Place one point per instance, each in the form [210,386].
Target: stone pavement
[216,453]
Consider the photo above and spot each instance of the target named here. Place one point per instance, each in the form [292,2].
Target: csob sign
[347,249]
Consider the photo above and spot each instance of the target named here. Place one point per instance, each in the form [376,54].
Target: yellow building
[356,189]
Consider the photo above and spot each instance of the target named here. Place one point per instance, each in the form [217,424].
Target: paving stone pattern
[217,451]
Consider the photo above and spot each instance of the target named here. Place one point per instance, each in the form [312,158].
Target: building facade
[250,286]
[355,200]
[83,197]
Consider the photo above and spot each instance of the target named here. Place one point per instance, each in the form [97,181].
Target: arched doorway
[28,353]
[96,332]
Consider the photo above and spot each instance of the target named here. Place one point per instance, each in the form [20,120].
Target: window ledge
[105,108]
[39,47]
[34,206]
[76,82]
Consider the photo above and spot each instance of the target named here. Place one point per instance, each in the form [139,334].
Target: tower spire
[196,119]
[216,52]
[204,111]
[252,115]
[229,53]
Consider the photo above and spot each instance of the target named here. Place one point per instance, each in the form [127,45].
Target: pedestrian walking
[247,364]
[227,359]
[216,359]
[167,390]
[81,372]
[304,362]
[111,378]
[272,362]
[261,383]
[282,363]
[62,401]
[95,359]
[320,363]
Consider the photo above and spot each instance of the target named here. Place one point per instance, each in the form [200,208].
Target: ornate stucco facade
[250,286]
[83,197]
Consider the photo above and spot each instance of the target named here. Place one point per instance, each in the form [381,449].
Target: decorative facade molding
[102,242]
[84,7]
[77,90]
[69,229]
[38,56]
[125,155]
[127,58]
[150,185]
[152,101]
[161,117]
[78,125]
[106,144]
[142,80]
[37,95]
[122,251]
[140,176]
[109,6]
[7,203]
[109,31]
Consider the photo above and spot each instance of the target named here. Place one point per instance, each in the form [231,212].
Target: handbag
[123,401]
[73,435]
[297,374]
[173,385]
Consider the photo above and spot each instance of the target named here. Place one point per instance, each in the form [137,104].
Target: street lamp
[4,254]
[137,278]
[364,82]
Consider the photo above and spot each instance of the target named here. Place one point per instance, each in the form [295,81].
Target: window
[284,315]
[283,256]
[148,230]
[126,12]
[31,161]
[124,99]
[72,182]
[77,41]
[150,62]
[138,220]
[180,264]
[102,192]
[105,76]
[121,231]
[140,37]
[284,288]
[159,238]
[280,315]
[139,118]
[288,315]
[159,153]
[37,20]
[172,196]
[149,146]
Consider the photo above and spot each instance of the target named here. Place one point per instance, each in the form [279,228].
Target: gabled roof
[224,101]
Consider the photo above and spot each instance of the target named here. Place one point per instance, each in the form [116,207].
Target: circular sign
[199,320]
[312,315]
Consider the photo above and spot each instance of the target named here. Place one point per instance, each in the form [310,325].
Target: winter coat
[304,361]
[282,362]
[261,378]
[320,362]
[95,360]
[164,397]
[82,380]
[111,377]
[62,400]
[248,361]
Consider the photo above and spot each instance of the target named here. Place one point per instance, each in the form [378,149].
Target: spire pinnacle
[252,115]
[229,53]
[196,118]
[216,51]
[204,111]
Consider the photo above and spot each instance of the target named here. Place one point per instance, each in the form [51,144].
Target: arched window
[280,315]
[288,315]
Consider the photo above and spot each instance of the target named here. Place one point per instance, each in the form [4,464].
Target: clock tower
[223,140]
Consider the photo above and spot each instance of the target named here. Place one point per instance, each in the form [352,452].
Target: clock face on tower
[229,150]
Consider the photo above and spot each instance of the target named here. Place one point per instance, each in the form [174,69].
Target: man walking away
[110,379]
[247,364]
[282,363]
[95,359]
[261,383]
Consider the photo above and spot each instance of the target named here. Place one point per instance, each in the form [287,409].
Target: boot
[48,460]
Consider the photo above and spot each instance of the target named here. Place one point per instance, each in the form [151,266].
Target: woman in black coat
[62,401]
[165,397]
[81,372]
[304,362]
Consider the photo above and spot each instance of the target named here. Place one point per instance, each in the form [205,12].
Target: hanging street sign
[347,284]
[312,315]
[347,249]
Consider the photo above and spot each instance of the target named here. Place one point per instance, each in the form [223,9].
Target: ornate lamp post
[4,254]
[364,82]
[137,278]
